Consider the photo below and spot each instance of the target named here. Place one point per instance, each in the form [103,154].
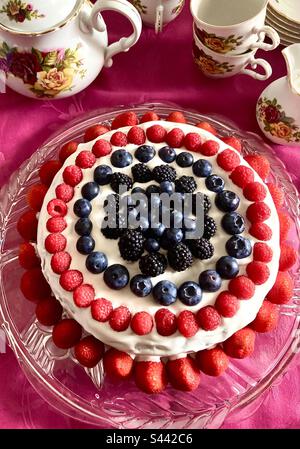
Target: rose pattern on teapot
[19,11]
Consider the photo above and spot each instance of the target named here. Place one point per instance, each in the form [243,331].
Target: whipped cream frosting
[154,344]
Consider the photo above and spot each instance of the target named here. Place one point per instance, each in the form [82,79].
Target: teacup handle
[127,10]
[159,19]
[271,33]
[258,62]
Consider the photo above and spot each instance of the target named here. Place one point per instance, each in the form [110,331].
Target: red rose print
[24,66]
[272,114]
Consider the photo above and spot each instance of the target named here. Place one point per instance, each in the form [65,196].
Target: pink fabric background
[158,68]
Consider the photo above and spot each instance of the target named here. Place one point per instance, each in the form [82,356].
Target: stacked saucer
[284,16]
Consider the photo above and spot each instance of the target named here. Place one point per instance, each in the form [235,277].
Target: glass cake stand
[84,394]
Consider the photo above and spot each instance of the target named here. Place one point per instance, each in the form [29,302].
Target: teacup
[157,13]
[232,27]
[215,65]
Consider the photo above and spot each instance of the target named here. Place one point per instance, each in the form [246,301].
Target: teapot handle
[126,9]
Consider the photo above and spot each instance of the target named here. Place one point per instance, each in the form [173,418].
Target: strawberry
[176,116]
[125,119]
[48,170]
[288,257]
[66,333]
[260,164]
[48,311]
[89,351]
[282,290]
[35,196]
[150,377]
[212,362]
[117,364]
[149,117]
[277,194]
[34,286]
[27,226]
[285,223]
[233,142]
[267,318]
[66,151]
[183,374]
[27,256]
[207,127]
[95,131]
[241,344]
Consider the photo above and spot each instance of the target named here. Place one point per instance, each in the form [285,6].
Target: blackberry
[164,173]
[141,173]
[185,184]
[112,201]
[205,202]
[201,248]
[131,245]
[180,257]
[113,228]
[210,227]
[153,264]
[120,179]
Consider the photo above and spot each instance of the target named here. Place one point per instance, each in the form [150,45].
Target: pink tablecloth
[157,68]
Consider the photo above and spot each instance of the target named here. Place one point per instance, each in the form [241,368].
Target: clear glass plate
[84,394]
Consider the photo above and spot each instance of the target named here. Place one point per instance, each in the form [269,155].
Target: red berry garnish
[56,224]
[227,304]
[55,243]
[48,170]
[213,362]
[288,257]
[70,280]
[258,272]
[258,212]
[119,139]
[66,333]
[60,262]
[27,256]
[120,319]
[176,116]
[166,322]
[241,344]
[187,323]
[34,286]
[117,364]
[101,148]
[57,208]
[262,252]
[277,194]
[209,148]
[27,225]
[233,142]
[72,175]
[85,159]
[66,150]
[156,133]
[267,318]
[208,318]
[242,175]
[64,192]
[149,117]
[101,309]
[242,287]
[125,119]
[228,160]
[136,136]
[142,323]
[255,191]
[283,289]
[150,377]
[207,127]
[35,196]
[89,351]
[192,142]
[95,131]
[175,138]
[285,223]
[84,295]
[260,231]
[183,374]
[260,164]
[48,311]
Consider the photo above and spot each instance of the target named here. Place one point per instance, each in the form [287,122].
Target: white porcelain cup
[233,26]
[157,13]
[215,65]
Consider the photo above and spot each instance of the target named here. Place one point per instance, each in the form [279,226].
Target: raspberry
[136,135]
[227,304]
[240,344]
[60,262]
[56,224]
[212,362]
[85,159]
[242,175]
[55,243]
[125,119]
[260,164]
[255,191]
[35,196]
[207,127]
[258,212]
[66,333]
[183,374]
[176,116]
[95,131]
[285,224]
[27,256]
[72,175]
[34,286]
[48,311]
[89,351]
[261,231]
[166,322]
[142,323]
[101,309]
[48,170]
[149,117]
[101,148]
[242,287]
[192,142]
[258,272]
[27,225]
[150,377]
[118,139]
[64,192]
[208,318]
[66,151]
[156,133]
[277,194]
[120,319]
[117,364]
[262,252]
[70,280]
[187,323]
[267,318]
[175,138]
[288,257]
[209,148]
[233,142]
[84,295]
[282,290]
[228,160]
[57,208]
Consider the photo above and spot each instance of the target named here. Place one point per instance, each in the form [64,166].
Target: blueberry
[102,174]
[151,245]
[238,247]
[185,159]
[90,190]
[171,237]
[85,244]
[167,187]
[84,226]
[145,153]
[227,267]
[227,201]
[215,183]
[138,190]
[165,292]
[82,208]
[210,281]
[96,262]
[167,154]
[153,188]
[116,276]
[121,158]
[157,231]
[190,293]
[141,285]
[202,168]
[233,223]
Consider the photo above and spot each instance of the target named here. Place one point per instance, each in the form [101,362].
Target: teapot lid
[36,16]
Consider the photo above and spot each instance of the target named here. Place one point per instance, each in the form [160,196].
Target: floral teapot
[54,49]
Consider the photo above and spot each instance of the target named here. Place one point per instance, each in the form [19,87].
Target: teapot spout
[292,58]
